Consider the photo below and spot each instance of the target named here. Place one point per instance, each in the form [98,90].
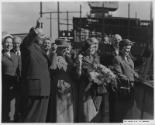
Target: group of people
[45,81]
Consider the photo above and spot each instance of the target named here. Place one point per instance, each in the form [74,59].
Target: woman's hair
[4,40]
[89,42]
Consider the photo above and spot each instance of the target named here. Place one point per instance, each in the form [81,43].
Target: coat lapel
[7,56]
[38,48]
[127,64]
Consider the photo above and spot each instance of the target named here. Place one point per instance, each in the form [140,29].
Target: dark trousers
[118,107]
[18,105]
[5,108]
[34,109]
[8,96]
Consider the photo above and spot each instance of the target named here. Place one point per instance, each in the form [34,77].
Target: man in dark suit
[16,50]
[109,51]
[36,77]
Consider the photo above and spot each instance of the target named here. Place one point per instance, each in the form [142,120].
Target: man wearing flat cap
[36,77]
[122,107]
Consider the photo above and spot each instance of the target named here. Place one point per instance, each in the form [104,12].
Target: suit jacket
[19,63]
[124,69]
[107,54]
[35,68]
[9,64]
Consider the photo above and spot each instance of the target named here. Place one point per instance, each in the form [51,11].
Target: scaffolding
[58,12]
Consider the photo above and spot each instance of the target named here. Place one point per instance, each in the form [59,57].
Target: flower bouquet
[102,75]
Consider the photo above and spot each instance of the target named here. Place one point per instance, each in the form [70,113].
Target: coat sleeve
[29,38]
[53,60]
[118,69]
[24,50]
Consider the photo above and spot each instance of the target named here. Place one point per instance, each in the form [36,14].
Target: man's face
[40,41]
[116,43]
[8,45]
[16,43]
[106,39]
[96,44]
[126,50]
[47,45]
[118,39]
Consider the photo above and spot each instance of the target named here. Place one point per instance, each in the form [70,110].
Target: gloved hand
[38,28]
[39,23]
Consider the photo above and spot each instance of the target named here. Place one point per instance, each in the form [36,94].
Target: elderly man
[115,44]
[109,51]
[36,77]
[16,45]
[16,50]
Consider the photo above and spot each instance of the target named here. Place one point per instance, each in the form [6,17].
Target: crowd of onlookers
[45,80]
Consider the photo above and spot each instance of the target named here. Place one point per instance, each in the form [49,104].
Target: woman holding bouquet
[89,103]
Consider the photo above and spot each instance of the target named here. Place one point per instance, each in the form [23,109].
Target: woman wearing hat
[63,89]
[124,68]
[87,62]
[10,66]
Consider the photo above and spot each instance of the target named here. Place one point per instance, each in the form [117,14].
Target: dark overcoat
[123,108]
[36,80]
[35,68]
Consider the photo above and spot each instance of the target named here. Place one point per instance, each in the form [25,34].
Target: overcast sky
[18,17]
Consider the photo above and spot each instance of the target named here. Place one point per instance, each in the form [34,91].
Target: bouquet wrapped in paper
[102,75]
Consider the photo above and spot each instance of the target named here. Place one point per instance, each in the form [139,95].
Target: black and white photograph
[77,61]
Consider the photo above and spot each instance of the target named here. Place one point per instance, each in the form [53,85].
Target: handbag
[125,89]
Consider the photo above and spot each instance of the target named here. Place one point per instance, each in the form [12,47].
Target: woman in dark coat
[10,66]
[124,105]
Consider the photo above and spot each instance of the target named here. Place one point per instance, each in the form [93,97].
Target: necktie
[9,54]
